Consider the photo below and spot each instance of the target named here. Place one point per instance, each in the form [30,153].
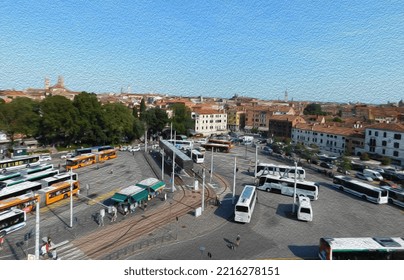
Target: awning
[119,197]
[140,196]
[156,187]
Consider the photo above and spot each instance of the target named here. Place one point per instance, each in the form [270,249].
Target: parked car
[343,171]
[362,176]
[45,158]
[134,149]
[326,165]
[68,155]
[388,183]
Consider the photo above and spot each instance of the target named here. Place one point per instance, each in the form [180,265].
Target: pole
[162,165]
[145,140]
[234,180]
[172,185]
[203,190]
[171,131]
[256,160]
[37,230]
[71,198]
[211,166]
[294,188]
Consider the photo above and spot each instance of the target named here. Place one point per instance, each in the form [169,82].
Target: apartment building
[210,121]
[235,119]
[281,125]
[386,139]
[329,139]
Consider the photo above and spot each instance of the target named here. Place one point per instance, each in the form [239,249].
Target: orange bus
[57,192]
[80,161]
[220,141]
[25,202]
[106,155]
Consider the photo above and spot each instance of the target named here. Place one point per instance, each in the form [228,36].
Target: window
[376,133]
[384,143]
[384,134]
[383,151]
[397,136]
[396,145]
[395,153]
[370,132]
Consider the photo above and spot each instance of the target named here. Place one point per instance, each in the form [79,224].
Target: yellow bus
[25,202]
[80,161]
[57,192]
[106,155]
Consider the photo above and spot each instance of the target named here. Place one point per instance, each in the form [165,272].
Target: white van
[372,174]
[304,212]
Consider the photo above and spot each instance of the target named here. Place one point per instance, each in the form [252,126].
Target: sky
[336,51]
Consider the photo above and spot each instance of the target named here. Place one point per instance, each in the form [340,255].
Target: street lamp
[294,188]
[71,198]
[37,229]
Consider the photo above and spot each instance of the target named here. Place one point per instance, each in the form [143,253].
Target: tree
[118,122]
[182,120]
[19,116]
[385,161]
[364,157]
[60,121]
[91,119]
[156,119]
[142,109]
[313,109]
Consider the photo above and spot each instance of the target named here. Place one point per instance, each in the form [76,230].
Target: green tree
[142,109]
[182,120]
[118,122]
[135,112]
[364,156]
[91,119]
[385,161]
[313,109]
[345,163]
[156,119]
[138,128]
[19,116]
[59,123]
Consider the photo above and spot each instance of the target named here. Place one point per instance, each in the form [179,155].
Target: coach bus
[197,156]
[58,191]
[286,186]
[182,144]
[18,162]
[35,169]
[12,220]
[361,248]
[80,161]
[25,202]
[106,155]
[396,195]
[19,189]
[363,190]
[245,205]
[46,182]
[216,147]
[9,175]
[29,178]
[280,170]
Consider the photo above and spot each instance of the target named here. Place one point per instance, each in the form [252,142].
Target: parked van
[304,211]
[372,174]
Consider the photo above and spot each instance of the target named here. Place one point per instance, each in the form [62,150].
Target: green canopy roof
[140,196]
[119,197]
[155,187]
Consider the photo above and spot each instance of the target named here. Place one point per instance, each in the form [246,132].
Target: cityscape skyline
[333,52]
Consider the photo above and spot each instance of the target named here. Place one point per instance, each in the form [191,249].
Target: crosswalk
[70,252]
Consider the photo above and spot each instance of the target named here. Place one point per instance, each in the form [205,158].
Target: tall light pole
[256,160]
[203,190]
[234,180]
[173,175]
[37,229]
[211,167]
[294,188]
[162,165]
[71,198]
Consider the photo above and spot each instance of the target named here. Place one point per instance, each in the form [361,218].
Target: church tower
[61,82]
[286,96]
[47,83]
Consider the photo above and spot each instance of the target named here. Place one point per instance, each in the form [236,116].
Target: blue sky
[344,51]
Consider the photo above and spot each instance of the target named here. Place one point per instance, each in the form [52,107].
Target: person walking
[238,240]
[114,214]
[102,215]
[1,242]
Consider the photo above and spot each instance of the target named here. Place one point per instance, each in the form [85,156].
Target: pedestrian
[132,208]
[1,243]
[102,215]
[114,214]
[238,240]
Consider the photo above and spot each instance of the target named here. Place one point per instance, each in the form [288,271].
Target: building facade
[209,121]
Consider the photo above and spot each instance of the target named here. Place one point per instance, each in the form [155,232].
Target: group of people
[48,250]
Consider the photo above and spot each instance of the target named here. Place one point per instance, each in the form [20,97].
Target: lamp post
[234,180]
[162,165]
[71,198]
[211,167]
[294,189]
[203,190]
[256,160]
[37,230]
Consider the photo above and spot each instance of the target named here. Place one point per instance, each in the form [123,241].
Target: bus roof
[18,187]
[246,194]
[352,243]
[10,213]
[81,156]
[57,185]
[363,184]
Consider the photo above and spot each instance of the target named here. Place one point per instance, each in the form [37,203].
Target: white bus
[280,170]
[30,177]
[12,220]
[396,195]
[19,189]
[49,181]
[245,204]
[361,189]
[286,186]
[196,156]
[361,248]
[304,211]
[18,162]
[181,144]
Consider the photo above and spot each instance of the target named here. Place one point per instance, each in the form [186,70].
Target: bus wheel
[341,188]
[364,197]
[65,196]
[3,171]
[268,189]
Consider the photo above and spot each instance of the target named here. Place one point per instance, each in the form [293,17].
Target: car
[362,176]
[384,183]
[68,155]
[45,158]
[134,149]
[326,165]
[343,171]
[201,141]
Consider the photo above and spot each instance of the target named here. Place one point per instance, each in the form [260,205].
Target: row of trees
[59,121]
